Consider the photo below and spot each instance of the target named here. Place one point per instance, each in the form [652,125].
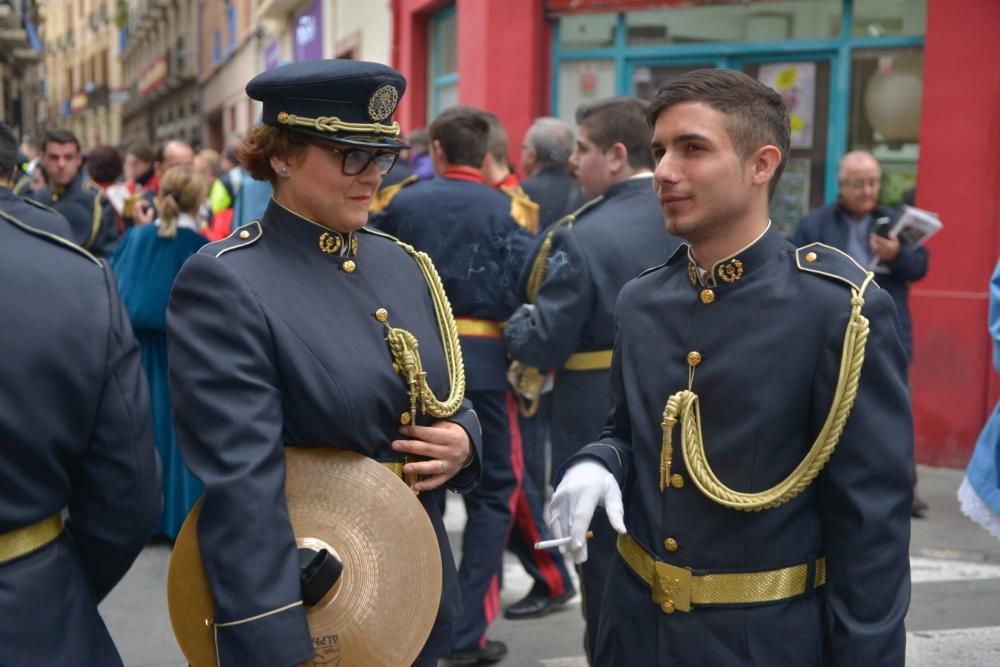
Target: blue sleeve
[468,478]
[227,409]
[995,315]
[911,264]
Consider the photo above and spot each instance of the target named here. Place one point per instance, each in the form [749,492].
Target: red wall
[503,60]
[958,177]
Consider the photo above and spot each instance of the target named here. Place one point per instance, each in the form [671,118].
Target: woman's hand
[446,446]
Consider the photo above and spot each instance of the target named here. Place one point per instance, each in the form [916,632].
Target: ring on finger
[440,466]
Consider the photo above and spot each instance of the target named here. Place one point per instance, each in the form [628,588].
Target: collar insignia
[731,271]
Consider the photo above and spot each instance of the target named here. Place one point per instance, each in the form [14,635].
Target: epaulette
[41,233]
[38,204]
[379,232]
[824,260]
[653,268]
[22,184]
[524,211]
[385,196]
[245,236]
[537,274]
[90,187]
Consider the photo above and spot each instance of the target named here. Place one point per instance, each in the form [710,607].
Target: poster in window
[790,202]
[796,83]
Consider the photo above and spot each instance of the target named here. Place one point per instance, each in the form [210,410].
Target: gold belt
[395,467]
[599,360]
[22,541]
[678,588]
[468,326]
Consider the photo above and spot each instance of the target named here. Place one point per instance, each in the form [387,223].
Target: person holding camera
[857,224]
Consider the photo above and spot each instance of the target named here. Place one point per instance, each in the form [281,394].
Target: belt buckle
[671,587]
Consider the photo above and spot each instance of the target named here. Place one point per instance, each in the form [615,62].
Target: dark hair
[418,140]
[104,164]
[757,115]
[264,142]
[8,151]
[32,141]
[463,133]
[496,144]
[619,120]
[552,141]
[230,154]
[60,137]
[142,150]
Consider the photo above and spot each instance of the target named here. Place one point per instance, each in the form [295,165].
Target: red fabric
[220,226]
[464,174]
[510,181]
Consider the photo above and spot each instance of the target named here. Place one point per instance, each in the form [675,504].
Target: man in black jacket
[545,153]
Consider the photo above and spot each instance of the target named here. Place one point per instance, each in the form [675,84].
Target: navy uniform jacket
[770,346]
[76,429]
[88,212]
[34,214]
[829,225]
[478,249]
[272,343]
[610,243]
[556,193]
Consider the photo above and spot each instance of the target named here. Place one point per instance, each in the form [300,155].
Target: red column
[954,386]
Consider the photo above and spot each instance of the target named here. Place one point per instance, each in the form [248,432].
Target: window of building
[442,62]
[850,71]
[216,47]
[230,28]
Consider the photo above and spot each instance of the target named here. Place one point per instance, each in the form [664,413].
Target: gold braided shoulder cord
[406,356]
[683,407]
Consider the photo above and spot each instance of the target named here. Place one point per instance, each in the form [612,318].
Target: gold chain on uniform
[683,407]
[406,356]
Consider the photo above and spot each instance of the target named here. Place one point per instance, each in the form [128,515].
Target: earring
[284,172]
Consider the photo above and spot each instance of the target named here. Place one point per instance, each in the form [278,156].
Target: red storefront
[527,58]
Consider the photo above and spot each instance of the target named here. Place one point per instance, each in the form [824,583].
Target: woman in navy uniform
[277,336]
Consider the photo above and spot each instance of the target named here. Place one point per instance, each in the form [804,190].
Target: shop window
[735,22]
[442,62]
[886,94]
[889,18]
[587,31]
[230,28]
[582,81]
[216,47]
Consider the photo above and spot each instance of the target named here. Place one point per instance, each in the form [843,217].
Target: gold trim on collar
[332,125]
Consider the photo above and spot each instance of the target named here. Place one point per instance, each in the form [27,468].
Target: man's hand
[585,485]
[143,212]
[886,247]
[447,447]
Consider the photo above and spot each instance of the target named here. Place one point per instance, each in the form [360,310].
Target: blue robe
[146,265]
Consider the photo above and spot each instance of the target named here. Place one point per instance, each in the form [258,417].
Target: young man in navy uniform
[26,210]
[574,282]
[77,442]
[759,449]
[464,224]
[75,196]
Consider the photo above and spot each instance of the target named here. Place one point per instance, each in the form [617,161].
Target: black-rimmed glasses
[356,160]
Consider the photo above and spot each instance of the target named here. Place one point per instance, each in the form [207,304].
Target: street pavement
[954,616]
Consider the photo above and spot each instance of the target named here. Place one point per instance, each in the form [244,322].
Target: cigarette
[559,541]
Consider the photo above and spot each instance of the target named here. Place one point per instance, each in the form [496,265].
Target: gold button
[404,419]
[671,544]
[811,257]
[244,234]
[667,606]
[283,117]
[349,266]
[694,358]
[382,315]
[707,296]
[677,482]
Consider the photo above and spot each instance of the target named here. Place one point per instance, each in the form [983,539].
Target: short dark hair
[142,150]
[757,115]
[8,151]
[497,144]
[104,164]
[463,133]
[619,120]
[60,137]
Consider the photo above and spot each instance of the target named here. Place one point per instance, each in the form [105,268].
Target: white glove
[585,485]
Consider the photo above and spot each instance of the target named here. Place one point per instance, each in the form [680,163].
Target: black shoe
[919,508]
[487,655]
[536,606]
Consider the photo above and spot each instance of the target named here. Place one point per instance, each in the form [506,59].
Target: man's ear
[617,157]
[764,163]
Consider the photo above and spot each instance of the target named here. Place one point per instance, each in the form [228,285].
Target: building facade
[81,69]
[20,51]
[159,64]
[904,79]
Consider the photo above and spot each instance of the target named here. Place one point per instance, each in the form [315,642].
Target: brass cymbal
[383,607]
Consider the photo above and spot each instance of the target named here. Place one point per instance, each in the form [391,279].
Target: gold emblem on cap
[731,271]
[383,102]
[330,243]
